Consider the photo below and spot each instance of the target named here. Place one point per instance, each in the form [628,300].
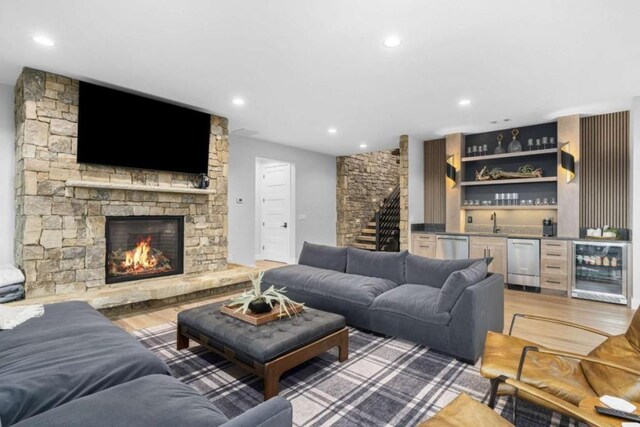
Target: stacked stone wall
[60,228]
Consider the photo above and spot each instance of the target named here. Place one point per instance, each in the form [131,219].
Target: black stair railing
[388,223]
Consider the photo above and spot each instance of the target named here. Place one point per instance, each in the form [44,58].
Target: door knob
[284,226]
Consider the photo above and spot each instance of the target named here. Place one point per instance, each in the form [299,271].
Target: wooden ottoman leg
[343,346]
[182,341]
[271,380]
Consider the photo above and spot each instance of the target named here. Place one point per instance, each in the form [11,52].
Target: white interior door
[275,211]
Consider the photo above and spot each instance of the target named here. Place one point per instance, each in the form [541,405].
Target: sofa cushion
[330,284]
[457,282]
[155,400]
[387,265]
[415,301]
[321,256]
[69,352]
[433,272]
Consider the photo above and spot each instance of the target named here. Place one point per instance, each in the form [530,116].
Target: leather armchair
[611,368]
[463,411]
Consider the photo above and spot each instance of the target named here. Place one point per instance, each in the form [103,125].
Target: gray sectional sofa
[74,367]
[448,305]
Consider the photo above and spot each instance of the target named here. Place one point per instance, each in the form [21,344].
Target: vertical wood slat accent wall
[604,184]
[434,181]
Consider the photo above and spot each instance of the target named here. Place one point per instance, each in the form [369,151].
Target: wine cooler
[600,271]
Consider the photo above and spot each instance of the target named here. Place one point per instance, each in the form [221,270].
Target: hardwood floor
[607,317]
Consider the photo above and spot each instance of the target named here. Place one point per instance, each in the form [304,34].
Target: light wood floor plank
[607,317]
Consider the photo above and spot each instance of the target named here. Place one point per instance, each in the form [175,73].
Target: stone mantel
[137,187]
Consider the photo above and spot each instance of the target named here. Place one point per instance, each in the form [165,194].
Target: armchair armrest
[556,321]
[554,401]
[275,412]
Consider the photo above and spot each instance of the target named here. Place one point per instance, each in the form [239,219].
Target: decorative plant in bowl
[263,302]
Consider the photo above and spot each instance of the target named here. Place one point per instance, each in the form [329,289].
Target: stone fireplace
[67,213]
[140,247]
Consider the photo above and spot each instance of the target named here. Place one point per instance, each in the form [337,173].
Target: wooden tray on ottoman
[262,318]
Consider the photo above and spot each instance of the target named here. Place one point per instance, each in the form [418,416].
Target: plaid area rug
[385,382]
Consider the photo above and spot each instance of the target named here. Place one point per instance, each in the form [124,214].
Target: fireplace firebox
[141,247]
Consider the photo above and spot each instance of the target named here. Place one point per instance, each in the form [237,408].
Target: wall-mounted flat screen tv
[116,128]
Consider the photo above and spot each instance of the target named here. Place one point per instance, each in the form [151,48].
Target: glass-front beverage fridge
[600,271]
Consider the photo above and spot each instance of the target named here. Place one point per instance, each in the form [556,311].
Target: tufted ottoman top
[259,343]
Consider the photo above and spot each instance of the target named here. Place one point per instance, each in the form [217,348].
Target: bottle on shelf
[514,146]
[499,149]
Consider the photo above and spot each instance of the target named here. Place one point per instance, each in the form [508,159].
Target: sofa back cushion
[433,272]
[386,265]
[457,282]
[321,256]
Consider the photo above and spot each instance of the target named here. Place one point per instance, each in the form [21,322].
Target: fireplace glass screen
[141,247]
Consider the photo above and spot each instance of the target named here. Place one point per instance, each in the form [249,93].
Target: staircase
[382,233]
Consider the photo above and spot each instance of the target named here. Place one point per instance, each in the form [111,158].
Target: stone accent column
[363,182]
[404,192]
[60,230]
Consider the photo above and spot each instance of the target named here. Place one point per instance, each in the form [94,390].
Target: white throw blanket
[9,275]
[10,317]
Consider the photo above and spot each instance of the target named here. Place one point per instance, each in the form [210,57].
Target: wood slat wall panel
[604,184]
[434,181]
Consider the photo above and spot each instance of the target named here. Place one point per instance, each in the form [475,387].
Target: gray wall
[7,169]
[315,183]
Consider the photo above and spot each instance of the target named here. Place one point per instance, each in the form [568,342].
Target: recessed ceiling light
[493,122]
[392,41]
[332,130]
[238,101]
[464,102]
[507,120]
[44,41]
[363,145]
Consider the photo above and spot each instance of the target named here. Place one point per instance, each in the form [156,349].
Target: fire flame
[140,257]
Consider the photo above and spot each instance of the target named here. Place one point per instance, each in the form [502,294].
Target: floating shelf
[519,207]
[510,181]
[510,155]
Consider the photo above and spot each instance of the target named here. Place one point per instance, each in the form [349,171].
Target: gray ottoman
[266,350]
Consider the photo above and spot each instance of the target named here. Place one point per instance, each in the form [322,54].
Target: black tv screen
[116,128]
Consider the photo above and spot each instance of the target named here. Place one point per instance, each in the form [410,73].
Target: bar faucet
[494,218]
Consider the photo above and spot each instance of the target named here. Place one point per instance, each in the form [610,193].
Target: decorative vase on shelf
[514,146]
[499,149]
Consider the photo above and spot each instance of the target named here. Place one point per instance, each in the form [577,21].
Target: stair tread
[368,231]
[367,238]
[371,246]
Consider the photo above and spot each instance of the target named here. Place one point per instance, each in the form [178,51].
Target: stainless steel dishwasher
[523,263]
[452,247]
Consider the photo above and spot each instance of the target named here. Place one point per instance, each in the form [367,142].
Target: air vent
[244,132]
[599,296]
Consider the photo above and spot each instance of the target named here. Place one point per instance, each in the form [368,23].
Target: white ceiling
[306,65]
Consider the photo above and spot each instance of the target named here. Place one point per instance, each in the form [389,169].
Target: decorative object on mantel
[451,170]
[259,302]
[526,171]
[201,181]
[567,161]
[499,149]
[514,146]
[10,317]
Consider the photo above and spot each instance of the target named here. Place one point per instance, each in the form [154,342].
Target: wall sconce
[568,162]
[451,170]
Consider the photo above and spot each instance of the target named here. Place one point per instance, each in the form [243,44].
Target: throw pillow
[434,272]
[321,256]
[457,282]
